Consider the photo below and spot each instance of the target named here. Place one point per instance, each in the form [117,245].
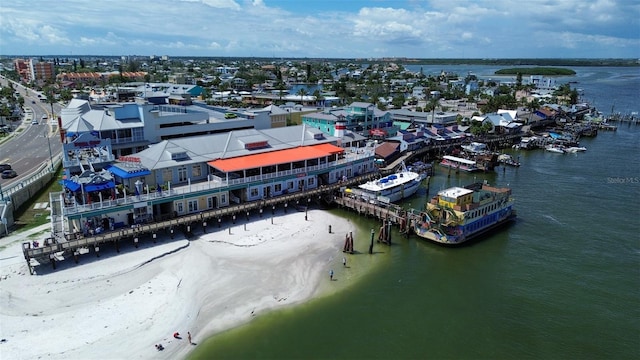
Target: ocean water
[562,282]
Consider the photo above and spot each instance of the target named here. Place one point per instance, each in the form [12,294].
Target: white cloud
[438,28]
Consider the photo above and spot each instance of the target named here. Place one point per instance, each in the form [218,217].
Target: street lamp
[50,154]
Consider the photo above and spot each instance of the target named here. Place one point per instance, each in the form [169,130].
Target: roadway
[28,147]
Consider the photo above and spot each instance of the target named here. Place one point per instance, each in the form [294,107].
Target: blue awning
[71,185]
[127,174]
[98,187]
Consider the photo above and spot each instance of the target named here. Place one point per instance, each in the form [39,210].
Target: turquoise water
[562,282]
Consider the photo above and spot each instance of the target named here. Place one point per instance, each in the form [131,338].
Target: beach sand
[119,306]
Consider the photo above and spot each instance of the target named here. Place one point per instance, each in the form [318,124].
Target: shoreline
[121,305]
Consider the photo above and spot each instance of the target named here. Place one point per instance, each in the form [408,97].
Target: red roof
[275,157]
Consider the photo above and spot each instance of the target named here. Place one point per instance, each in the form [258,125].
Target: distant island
[539,70]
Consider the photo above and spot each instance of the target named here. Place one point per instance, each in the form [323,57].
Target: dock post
[260,212]
[154,237]
[117,245]
[135,241]
[371,246]
[388,231]
[234,218]
[219,222]
[97,250]
[273,209]
[75,256]
[53,261]
[204,227]
[247,216]
[171,231]
[285,207]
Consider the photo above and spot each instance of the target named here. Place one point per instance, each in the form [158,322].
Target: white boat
[575,149]
[459,163]
[391,188]
[554,149]
[475,147]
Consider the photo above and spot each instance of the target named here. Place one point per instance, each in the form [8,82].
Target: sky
[323,29]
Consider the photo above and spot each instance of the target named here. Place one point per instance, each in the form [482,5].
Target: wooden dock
[53,249]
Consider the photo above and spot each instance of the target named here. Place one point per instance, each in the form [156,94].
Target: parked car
[9,174]
[4,167]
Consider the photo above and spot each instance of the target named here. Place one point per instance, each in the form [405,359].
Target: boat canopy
[459,160]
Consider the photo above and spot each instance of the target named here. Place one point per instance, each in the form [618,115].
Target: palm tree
[302,92]
[223,87]
[433,103]
[318,95]
[281,88]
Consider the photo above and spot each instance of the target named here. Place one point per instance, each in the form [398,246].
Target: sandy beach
[119,306]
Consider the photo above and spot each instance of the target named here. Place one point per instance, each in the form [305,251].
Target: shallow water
[562,282]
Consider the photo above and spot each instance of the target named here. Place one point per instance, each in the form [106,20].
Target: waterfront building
[133,126]
[359,117]
[187,175]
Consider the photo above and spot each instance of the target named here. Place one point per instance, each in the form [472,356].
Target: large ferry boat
[392,188]
[458,214]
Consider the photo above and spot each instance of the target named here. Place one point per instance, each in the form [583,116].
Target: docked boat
[457,163]
[391,188]
[575,149]
[507,159]
[558,149]
[459,214]
[475,147]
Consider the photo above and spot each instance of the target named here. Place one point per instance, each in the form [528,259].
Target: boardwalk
[51,248]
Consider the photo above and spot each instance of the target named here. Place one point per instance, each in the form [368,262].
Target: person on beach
[331,274]
[189,337]
[176,335]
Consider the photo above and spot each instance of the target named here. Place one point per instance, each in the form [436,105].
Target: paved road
[28,149]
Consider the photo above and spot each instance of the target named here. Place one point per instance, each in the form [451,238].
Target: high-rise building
[33,70]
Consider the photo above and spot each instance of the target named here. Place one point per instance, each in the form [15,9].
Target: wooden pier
[54,249]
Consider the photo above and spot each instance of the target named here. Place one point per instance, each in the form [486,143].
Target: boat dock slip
[388,213]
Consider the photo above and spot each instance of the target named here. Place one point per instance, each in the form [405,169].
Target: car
[45,117]
[9,174]
[34,122]
[4,167]
[33,101]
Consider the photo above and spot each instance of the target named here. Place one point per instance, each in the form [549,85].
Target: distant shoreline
[538,70]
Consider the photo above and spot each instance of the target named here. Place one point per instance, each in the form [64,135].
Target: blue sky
[329,28]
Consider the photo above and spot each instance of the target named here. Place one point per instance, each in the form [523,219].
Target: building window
[223,199]
[254,192]
[180,207]
[311,181]
[277,188]
[167,175]
[196,171]
[193,205]
[290,185]
[211,202]
[182,174]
